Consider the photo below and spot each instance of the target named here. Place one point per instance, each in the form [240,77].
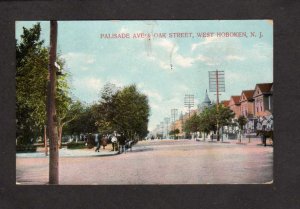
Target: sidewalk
[244,141]
[64,152]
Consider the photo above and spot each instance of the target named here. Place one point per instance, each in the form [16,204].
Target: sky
[163,68]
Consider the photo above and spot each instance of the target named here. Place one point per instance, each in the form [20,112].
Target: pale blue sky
[93,62]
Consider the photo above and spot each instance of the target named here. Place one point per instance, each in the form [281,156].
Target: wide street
[160,162]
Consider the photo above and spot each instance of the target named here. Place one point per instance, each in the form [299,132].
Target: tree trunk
[59,131]
[240,136]
[51,110]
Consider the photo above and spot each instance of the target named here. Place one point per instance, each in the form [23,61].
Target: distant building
[234,105]
[206,103]
[225,103]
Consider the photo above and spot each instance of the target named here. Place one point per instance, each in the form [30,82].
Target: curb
[70,156]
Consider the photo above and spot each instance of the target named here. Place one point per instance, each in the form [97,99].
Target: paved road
[160,162]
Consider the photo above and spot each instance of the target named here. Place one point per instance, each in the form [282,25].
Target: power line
[189,102]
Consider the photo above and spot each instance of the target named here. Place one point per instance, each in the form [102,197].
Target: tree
[192,124]
[174,132]
[84,122]
[31,85]
[242,121]
[105,111]
[68,111]
[211,118]
[123,110]
[132,112]
[225,117]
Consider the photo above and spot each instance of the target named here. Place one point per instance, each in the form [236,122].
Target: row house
[253,103]
[234,105]
[256,105]
[247,103]
[263,97]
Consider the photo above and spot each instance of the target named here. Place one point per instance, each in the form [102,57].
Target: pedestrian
[114,141]
[104,141]
[264,140]
[97,147]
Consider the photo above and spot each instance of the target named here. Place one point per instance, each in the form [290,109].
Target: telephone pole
[174,113]
[167,120]
[189,102]
[217,84]
[51,109]
[162,129]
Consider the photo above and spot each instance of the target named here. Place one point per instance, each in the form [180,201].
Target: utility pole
[167,120]
[217,84]
[189,102]
[157,131]
[51,109]
[174,113]
[162,129]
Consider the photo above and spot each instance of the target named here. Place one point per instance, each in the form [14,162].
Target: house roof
[264,87]
[236,99]
[248,94]
[225,103]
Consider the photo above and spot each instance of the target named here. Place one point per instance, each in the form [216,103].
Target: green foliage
[31,85]
[207,120]
[84,122]
[132,112]
[76,145]
[192,124]
[174,132]
[242,120]
[105,111]
[123,110]
[25,148]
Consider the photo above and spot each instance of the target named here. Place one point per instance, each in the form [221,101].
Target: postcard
[154,102]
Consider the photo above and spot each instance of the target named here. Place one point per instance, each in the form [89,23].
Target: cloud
[207,41]
[152,94]
[88,83]
[87,88]
[261,51]
[117,82]
[79,57]
[233,77]
[164,65]
[234,57]
[183,61]
[166,45]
